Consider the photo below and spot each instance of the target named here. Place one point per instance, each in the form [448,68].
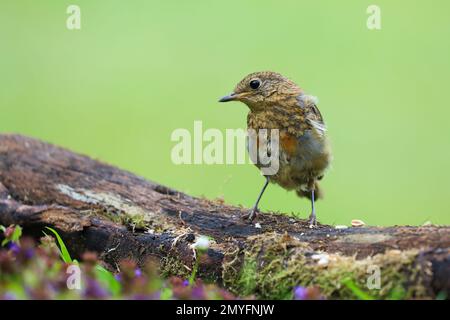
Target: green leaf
[166,294]
[397,293]
[107,279]
[64,253]
[16,234]
[14,237]
[194,273]
[356,290]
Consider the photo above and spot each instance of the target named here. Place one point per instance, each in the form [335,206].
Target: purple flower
[198,293]
[186,283]
[300,293]
[118,277]
[9,296]
[13,247]
[94,290]
[137,272]
[29,253]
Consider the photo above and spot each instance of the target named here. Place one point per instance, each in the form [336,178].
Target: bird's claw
[312,221]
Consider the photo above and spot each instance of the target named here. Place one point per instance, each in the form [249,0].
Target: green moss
[274,264]
[134,222]
[247,279]
[171,266]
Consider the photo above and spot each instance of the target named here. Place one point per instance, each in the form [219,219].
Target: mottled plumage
[276,102]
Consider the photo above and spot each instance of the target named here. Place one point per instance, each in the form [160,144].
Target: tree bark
[119,215]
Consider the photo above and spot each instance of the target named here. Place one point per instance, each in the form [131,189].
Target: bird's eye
[254,84]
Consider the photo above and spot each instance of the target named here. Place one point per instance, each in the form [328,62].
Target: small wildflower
[300,293]
[9,231]
[94,290]
[13,247]
[198,293]
[8,296]
[201,244]
[310,293]
[137,272]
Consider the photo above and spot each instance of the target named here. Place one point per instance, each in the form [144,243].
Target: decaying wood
[101,208]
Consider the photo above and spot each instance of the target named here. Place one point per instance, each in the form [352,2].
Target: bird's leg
[312,217]
[252,214]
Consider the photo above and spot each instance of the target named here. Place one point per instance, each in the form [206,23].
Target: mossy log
[119,215]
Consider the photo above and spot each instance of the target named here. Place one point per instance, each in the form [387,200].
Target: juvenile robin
[276,102]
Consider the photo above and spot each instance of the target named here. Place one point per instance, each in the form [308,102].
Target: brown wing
[312,113]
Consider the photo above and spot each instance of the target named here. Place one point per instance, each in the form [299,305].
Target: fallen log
[119,215]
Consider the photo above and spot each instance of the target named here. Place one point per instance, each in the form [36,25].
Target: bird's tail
[318,193]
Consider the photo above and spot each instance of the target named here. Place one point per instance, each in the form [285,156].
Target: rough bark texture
[119,215]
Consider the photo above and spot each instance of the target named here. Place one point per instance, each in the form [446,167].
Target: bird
[276,102]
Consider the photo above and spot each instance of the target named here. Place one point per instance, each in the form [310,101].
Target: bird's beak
[231,97]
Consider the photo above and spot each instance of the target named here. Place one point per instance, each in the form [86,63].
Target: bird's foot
[312,221]
[251,215]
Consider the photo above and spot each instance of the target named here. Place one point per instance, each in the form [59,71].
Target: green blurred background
[137,70]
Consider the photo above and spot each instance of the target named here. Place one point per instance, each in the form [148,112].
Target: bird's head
[261,90]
